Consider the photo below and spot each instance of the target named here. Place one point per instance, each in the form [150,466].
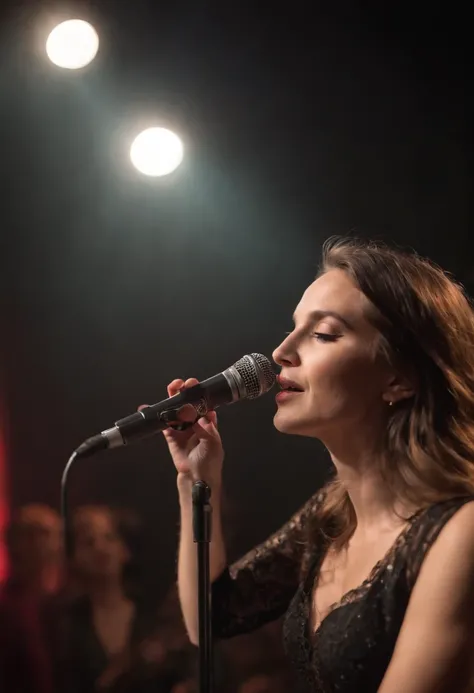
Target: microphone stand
[202,513]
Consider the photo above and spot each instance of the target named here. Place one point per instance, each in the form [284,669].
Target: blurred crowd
[83,624]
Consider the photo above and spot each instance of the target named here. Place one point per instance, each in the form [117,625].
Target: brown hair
[426,327]
[130,530]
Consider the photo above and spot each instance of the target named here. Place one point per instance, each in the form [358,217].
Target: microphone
[249,378]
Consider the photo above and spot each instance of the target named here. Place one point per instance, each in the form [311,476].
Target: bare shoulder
[449,564]
[458,531]
[434,647]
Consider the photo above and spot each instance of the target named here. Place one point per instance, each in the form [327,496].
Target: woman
[376,572]
[111,633]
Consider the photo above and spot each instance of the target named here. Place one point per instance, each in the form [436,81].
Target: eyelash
[324,337]
[321,336]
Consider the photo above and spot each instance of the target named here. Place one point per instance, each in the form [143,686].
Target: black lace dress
[352,647]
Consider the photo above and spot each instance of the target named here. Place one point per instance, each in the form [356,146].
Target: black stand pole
[202,537]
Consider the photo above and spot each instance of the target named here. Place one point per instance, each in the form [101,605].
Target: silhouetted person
[35,547]
[110,630]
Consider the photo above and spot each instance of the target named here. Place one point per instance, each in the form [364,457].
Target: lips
[289,385]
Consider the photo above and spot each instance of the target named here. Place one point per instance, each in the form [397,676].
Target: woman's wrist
[185,484]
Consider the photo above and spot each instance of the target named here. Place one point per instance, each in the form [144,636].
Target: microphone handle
[222,388]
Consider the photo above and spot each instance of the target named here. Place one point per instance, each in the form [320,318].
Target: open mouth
[289,385]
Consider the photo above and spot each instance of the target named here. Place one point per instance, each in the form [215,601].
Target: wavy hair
[426,328]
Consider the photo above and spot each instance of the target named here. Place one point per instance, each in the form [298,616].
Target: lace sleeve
[258,588]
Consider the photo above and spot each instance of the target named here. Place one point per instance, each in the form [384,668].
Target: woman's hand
[197,452]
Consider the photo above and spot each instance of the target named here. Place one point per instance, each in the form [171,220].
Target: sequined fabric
[352,647]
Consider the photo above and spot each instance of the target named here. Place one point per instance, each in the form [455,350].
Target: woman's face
[39,539]
[331,356]
[99,550]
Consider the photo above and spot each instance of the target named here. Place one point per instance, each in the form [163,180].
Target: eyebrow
[320,314]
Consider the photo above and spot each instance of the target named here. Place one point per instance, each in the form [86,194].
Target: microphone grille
[257,375]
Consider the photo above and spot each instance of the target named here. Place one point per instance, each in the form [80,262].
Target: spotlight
[72,44]
[156,152]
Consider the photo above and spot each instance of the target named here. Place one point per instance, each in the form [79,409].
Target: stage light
[72,44]
[156,152]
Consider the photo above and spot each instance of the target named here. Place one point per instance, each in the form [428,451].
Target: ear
[399,388]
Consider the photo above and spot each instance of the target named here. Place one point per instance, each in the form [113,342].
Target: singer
[375,574]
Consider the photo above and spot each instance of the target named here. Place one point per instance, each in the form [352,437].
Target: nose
[286,354]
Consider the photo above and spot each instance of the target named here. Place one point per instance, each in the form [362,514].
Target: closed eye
[325,337]
[321,336]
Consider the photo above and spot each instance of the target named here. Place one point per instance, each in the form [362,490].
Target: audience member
[112,640]
[34,543]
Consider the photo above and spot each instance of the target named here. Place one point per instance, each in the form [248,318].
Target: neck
[357,464]
[373,503]
[106,593]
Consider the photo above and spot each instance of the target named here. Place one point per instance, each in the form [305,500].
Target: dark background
[300,121]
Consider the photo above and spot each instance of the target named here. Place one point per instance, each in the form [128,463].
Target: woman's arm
[259,587]
[187,556]
[435,647]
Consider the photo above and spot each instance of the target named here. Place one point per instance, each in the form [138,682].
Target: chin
[292,425]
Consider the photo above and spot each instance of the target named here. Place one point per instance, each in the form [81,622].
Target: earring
[390,404]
